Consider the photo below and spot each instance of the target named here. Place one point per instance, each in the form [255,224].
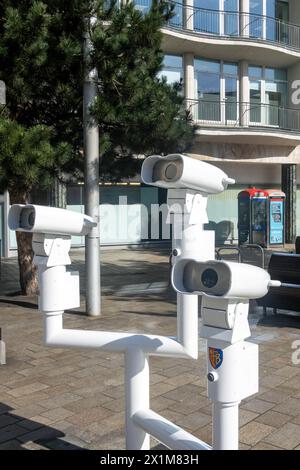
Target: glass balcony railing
[217,113]
[235,25]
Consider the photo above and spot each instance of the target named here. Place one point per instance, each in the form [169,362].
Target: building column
[244,18]
[189,83]
[244,94]
[188,14]
[58,194]
[289,187]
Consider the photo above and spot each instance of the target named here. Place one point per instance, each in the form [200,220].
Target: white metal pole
[225,426]
[92,199]
[167,432]
[2,350]
[187,323]
[137,388]
[189,241]
[187,305]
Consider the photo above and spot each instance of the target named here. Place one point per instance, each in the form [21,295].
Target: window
[231,18]
[177,19]
[207,20]
[256,23]
[217,16]
[268,94]
[282,14]
[143,5]
[255,101]
[263,19]
[271,29]
[282,10]
[74,195]
[230,74]
[208,4]
[217,90]
[172,69]
[208,76]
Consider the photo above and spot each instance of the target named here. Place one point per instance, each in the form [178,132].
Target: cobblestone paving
[74,399]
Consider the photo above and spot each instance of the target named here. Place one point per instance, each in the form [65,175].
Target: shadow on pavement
[17,431]
[281,320]
[19,303]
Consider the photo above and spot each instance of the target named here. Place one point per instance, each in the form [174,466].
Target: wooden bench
[284,267]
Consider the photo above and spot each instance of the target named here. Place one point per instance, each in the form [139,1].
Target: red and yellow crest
[215,357]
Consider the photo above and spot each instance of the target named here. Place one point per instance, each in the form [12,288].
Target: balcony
[235,24]
[209,28]
[239,122]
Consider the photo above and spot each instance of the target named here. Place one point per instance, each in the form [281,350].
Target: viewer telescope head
[221,279]
[181,171]
[50,220]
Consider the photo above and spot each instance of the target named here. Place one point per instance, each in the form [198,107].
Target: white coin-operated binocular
[232,366]
[52,229]
[221,279]
[225,288]
[180,171]
[189,183]
[46,220]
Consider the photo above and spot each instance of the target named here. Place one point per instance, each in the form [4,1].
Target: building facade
[239,62]
[240,65]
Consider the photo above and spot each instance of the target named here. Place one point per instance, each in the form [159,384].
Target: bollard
[2,350]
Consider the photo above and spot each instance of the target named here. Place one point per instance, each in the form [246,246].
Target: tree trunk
[27,270]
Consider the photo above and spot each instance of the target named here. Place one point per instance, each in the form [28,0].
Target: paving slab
[254,432]
[287,437]
[74,399]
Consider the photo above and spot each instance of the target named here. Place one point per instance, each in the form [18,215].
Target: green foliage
[137,112]
[41,61]
[27,158]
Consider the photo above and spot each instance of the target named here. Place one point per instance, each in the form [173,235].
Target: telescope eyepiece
[27,218]
[209,278]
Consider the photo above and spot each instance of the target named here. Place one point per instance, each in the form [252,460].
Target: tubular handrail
[236,249]
[250,26]
[257,247]
[231,114]
[239,251]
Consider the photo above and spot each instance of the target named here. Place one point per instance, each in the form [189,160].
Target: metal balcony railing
[235,24]
[231,113]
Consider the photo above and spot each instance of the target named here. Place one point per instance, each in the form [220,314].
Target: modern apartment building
[239,61]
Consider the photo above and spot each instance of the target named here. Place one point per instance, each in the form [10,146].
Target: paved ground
[63,399]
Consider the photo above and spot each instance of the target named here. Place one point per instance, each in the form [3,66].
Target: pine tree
[137,112]
[41,64]
[41,61]
[27,160]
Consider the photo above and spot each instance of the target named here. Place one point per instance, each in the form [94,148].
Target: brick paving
[74,399]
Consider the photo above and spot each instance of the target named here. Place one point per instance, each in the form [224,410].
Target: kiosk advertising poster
[276,222]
